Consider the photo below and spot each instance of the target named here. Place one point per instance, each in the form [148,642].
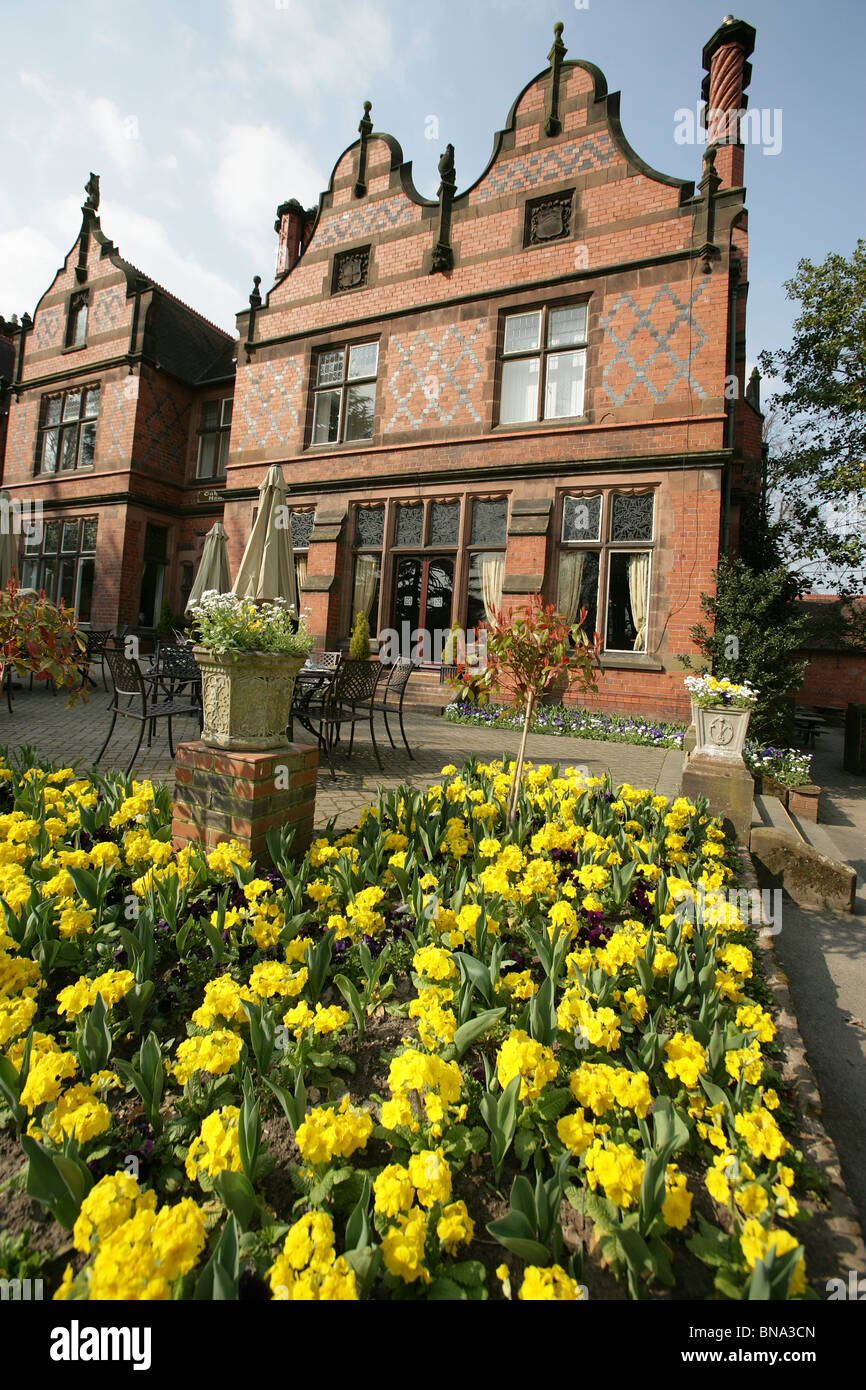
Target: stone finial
[91,189]
[255,297]
[553,124]
[365,129]
[443,252]
[753,390]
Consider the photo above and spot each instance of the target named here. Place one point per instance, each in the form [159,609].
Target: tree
[817,469]
[528,652]
[752,635]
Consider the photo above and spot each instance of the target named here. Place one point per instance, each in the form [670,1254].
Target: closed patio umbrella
[8,541]
[213,571]
[267,570]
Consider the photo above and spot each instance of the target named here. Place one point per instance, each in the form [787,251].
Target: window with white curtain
[608,577]
[543,364]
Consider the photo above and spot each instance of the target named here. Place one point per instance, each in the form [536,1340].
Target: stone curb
[843,1221]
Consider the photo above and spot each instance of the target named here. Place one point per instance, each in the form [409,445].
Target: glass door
[423,601]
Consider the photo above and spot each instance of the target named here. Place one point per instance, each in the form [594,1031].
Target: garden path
[74,736]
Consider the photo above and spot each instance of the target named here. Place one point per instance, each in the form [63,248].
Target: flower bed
[785,765]
[317,1082]
[572,722]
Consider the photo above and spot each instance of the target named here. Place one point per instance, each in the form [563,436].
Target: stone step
[803,854]
[769,811]
[818,837]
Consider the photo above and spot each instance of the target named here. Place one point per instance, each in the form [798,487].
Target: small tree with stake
[531,650]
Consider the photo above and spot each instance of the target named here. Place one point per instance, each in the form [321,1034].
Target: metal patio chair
[130,685]
[393,696]
[348,699]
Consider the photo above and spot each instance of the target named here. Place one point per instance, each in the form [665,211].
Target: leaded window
[344,394]
[67,430]
[409,525]
[61,560]
[609,577]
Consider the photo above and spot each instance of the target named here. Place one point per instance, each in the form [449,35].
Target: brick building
[537,383]
[111,380]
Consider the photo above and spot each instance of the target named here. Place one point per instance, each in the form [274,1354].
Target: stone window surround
[43,428]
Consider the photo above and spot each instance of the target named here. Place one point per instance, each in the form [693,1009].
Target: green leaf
[468,1033]
[236,1193]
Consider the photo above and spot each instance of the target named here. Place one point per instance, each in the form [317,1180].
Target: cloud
[258,168]
[314,46]
[118,134]
[29,260]
[145,242]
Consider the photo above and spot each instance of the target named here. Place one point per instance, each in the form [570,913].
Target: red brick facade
[566,217]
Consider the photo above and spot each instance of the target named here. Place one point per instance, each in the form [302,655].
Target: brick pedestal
[804,801]
[240,796]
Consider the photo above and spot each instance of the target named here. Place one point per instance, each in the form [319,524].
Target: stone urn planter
[720,731]
[246,698]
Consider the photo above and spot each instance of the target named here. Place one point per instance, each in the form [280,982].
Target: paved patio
[74,736]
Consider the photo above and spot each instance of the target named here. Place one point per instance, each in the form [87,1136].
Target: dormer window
[76,328]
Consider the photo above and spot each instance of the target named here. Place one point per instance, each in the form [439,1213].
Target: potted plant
[249,654]
[39,639]
[720,712]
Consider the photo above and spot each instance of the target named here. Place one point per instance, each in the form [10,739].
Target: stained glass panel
[302,529]
[490,522]
[370,526]
[581,519]
[408,531]
[444,523]
[632,517]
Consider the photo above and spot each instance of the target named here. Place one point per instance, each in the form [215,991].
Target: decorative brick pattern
[546,166]
[108,310]
[113,422]
[224,796]
[435,378]
[360,221]
[268,409]
[644,353]
[48,329]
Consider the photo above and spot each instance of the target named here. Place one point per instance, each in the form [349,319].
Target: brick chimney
[728,74]
[291,227]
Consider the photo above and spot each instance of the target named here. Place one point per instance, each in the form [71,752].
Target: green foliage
[752,634]
[359,642]
[168,620]
[822,404]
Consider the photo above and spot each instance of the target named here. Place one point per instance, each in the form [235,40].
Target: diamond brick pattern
[634,330]
[108,309]
[113,418]
[48,328]
[19,443]
[357,222]
[429,382]
[546,166]
[163,424]
[268,411]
